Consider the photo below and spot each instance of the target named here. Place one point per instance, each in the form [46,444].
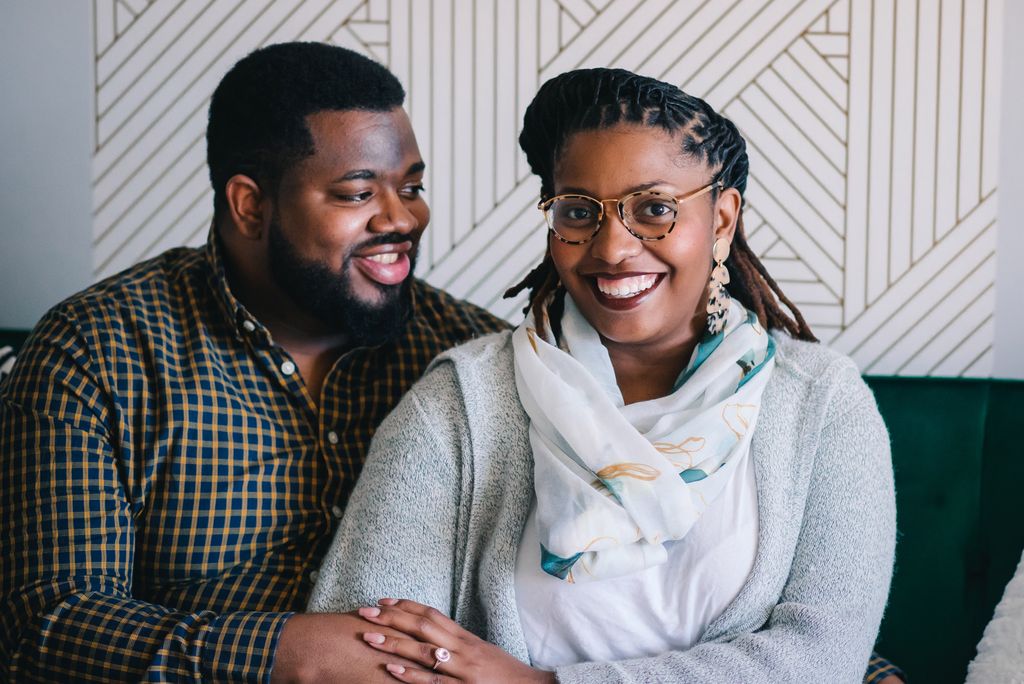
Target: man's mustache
[386,239]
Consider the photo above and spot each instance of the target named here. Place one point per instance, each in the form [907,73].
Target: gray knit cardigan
[440,506]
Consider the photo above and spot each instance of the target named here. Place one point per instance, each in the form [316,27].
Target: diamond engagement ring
[441,655]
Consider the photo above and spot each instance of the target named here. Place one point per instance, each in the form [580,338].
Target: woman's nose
[613,242]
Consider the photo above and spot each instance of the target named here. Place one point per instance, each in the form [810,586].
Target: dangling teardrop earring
[718,297]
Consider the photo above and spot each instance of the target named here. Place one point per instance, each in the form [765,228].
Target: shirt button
[248,325]
[314,575]
[336,511]
[287,367]
[332,437]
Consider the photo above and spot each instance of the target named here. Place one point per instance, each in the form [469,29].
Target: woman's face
[672,274]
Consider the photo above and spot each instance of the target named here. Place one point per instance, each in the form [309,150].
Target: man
[177,442]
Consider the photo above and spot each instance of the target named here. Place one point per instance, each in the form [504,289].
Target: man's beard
[330,297]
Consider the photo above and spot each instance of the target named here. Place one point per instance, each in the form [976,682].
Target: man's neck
[313,346]
[313,350]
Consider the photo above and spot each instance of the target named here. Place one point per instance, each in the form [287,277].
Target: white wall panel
[872,127]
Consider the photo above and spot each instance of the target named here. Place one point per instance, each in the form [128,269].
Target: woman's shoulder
[476,374]
[819,373]
[807,360]
[488,356]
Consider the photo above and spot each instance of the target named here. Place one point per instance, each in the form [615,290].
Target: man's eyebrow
[358,174]
[369,174]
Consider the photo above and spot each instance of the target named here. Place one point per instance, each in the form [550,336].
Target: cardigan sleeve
[825,622]
[398,534]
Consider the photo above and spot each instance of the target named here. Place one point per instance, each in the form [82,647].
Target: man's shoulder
[452,319]
[143,293]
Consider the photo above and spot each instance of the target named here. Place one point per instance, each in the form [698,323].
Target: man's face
[347,221]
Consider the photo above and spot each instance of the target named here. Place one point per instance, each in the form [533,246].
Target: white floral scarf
[615,482]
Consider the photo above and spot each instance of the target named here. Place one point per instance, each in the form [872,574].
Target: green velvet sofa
[960,505]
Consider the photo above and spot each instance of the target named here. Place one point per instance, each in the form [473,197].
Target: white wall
[46,120]
[1009,333]
[944,301]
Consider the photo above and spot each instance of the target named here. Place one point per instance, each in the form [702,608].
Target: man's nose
[393,216]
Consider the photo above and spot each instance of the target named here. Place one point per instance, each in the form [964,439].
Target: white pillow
[1001,649]
[6,360]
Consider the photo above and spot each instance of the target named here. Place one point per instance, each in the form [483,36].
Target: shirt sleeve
[68,544]
[879,668]
[398,535]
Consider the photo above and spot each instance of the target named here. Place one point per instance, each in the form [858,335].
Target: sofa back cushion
[10,341]
[959,477]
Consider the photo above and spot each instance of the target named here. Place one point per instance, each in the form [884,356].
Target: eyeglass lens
[649,215]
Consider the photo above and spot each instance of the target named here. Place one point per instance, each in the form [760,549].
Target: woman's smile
[624,291]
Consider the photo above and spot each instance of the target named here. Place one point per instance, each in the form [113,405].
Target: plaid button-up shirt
[168,484]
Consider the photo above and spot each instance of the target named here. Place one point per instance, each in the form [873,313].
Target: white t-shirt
[663,608]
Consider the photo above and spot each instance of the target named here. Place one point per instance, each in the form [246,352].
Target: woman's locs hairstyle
[588,99]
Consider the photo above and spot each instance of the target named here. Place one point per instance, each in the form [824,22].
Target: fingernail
[395,669]
[374,637]
[387,602]
[369,611]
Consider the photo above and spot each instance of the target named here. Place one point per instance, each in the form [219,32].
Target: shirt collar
[243,322]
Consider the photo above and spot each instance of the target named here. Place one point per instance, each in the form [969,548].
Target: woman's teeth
[390,258]
[626,287]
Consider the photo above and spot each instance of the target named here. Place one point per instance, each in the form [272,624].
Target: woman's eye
[578,214]
[657,209]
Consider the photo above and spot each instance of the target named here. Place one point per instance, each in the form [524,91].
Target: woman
[639,483]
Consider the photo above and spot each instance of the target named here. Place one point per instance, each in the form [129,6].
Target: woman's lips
[624,292]
[389,268]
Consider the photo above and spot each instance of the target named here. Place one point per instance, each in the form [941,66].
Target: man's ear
[246,206]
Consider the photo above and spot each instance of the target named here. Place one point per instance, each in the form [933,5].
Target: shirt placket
[279,365]
[339,422]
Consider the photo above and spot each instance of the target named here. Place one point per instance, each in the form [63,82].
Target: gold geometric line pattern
[874,161]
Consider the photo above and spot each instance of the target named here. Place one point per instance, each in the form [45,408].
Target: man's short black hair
[257,125]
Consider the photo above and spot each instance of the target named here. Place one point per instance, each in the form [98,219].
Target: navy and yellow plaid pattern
[169,485]
[879,668]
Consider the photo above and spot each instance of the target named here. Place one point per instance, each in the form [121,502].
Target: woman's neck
[648,373]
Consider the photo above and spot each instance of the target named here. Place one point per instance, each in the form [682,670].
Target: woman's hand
[434,635]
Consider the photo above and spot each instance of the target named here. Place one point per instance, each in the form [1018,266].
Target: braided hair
[588,99]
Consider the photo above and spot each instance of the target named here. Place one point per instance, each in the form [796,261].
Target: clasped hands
[442,649]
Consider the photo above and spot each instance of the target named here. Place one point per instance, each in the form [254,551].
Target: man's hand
[329,647]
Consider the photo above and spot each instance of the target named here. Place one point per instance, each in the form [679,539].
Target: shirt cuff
[241,646]
[879,668]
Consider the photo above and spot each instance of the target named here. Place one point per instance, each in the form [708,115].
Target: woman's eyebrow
[573,190]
